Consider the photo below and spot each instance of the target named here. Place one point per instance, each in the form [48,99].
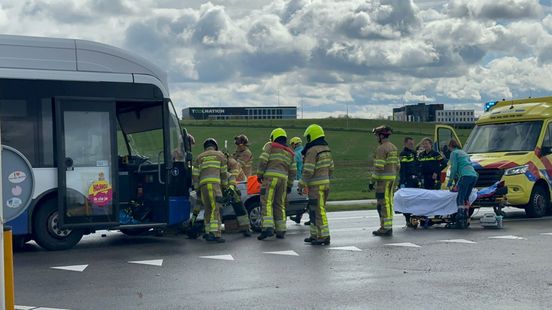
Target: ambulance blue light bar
[489,105]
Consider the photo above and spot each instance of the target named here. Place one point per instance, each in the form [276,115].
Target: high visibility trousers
[273,203]
[318,196]
[384,196]
[239,209]
[211,198]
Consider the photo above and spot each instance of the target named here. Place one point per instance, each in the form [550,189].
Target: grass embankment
[352,144]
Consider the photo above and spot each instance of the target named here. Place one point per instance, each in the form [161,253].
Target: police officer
[210,178]
[409,171]
[430,165]
[317,172]
[276,172]
[386,164]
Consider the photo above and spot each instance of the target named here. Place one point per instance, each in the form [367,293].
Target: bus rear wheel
[47,232]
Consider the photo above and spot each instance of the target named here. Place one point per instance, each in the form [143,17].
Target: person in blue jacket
[465,176]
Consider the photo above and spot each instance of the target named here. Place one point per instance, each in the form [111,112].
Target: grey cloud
[493,9]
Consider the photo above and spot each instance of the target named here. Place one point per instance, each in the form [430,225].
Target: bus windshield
[142,124]
[505,137]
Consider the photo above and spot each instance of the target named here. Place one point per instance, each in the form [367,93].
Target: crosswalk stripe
[289,253]
[404,244]
[78,268]
[219,257]
[347,248]
[153,262]
[458,241]
[509,237]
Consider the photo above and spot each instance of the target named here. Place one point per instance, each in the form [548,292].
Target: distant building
[458,118]
[221,113]
[420,112]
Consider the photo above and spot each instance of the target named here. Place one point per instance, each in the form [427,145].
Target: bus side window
[19,126]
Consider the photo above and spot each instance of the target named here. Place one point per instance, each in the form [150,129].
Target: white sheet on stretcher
[423,202]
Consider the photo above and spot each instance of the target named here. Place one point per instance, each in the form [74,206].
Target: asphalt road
[427,273]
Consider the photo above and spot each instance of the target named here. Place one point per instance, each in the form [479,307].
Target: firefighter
[210,178]
[409,174]
[244,156]
[386,164]
[234,194]
[430,165]
[276,172]
[317,172]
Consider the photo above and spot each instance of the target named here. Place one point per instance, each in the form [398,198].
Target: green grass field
[352,144]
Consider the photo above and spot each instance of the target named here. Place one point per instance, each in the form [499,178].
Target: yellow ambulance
[512,142]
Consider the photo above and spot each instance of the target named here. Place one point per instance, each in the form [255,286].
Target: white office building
[455,117]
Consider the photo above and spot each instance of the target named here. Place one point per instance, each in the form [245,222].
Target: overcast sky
[324,54]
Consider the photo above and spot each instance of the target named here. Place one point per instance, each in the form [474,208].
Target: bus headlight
[517,170]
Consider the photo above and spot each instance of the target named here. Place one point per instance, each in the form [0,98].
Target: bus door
[87,162]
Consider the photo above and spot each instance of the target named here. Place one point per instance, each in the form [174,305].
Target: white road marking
[24,307]
[347,248]
[458,241]
[546,234]
[404,244]
[45,308]
[289,253]
[220,257]
[153,262]
[78,268]
[509,237]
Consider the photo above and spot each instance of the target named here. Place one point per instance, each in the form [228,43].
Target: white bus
[99,130]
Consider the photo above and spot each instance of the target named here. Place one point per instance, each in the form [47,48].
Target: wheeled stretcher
[425,208]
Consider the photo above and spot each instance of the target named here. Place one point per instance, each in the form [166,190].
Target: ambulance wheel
[46,230]
[255,215]
[538,204]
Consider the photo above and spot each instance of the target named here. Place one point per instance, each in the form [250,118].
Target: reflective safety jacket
[318,166]
[277,160]
[409,164]
[386,162]
[245,159]
[234,170]
[430,162]
[210,167]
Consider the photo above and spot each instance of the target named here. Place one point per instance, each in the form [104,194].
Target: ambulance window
[547,143]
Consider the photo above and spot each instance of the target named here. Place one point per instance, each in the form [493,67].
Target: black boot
[213,238]
[247,233]
[309,239]
[297,218]
[383,232]
[307,223]
[321,241]
[266,233]
[281,234]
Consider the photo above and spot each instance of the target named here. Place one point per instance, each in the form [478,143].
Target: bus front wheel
[47,232]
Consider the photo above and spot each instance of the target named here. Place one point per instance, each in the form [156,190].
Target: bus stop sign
[17,183]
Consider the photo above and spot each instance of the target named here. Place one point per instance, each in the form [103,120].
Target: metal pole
[2,265]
